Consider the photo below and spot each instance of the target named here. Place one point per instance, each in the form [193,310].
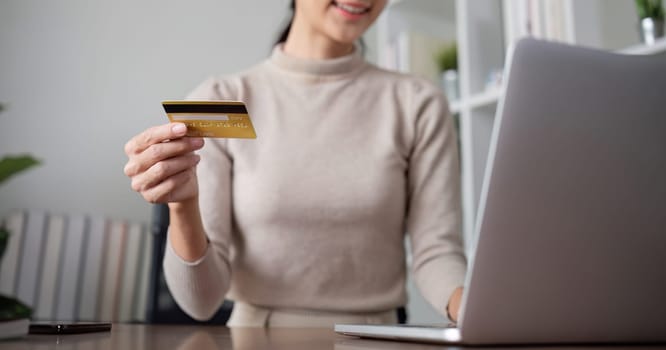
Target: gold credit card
[227,119]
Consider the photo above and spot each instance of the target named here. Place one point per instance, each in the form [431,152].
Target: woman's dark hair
[285,32]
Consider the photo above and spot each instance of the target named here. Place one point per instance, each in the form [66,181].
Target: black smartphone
[68,327]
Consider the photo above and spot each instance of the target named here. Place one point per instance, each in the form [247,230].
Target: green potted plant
[651,14]
[14,315]
[447,62]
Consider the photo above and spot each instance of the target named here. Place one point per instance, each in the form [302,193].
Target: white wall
[81,77]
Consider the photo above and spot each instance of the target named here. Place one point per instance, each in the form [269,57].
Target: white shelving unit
[484,31]
[659,47]
[477,28]
[485,98]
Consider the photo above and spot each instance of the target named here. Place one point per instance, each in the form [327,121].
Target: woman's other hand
[162,163]
[453,307]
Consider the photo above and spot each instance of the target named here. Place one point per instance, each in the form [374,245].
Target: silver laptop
[571,233]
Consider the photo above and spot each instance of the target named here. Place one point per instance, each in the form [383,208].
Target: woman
[305,225]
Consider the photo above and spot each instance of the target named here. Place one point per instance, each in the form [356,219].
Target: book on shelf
[92,271]
[112,275]
[555,21]
[30,257]
[54,238]
[70,267]
[131,271]
[141,299]
[544,19]
[14,222]
[15,315]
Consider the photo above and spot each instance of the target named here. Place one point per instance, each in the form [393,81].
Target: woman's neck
[304,42]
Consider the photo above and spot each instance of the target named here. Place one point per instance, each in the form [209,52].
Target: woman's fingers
[163,170]
[162,163]
[156,153]
[154,135]
[175,188]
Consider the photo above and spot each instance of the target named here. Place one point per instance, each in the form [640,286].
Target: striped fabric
[77,267]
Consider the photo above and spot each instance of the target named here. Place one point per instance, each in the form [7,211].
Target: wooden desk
[148,337]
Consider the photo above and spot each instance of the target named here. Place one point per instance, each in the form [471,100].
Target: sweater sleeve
[434,212]
[199,287]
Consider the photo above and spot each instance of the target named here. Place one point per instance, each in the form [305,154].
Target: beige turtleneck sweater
[313,213]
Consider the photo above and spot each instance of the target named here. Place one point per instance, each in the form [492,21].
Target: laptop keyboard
[431,326]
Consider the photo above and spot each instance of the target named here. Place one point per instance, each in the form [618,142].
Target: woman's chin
[348,36]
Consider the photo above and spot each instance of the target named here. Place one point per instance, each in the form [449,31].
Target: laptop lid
[571,236]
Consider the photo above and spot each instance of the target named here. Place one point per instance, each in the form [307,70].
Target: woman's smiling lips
[351,10]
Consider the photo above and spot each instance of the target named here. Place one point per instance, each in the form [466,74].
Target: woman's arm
[186,230]
[434,203]
[197,259]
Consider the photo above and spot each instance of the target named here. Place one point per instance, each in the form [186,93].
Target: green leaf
[12,309]
[4,239]
[641,8]
[447,57]
[11,165]
[650,9]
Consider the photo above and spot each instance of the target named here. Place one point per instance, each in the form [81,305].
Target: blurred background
[79,78]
